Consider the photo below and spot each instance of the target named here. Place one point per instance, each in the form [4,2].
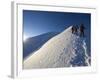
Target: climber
[73,29]
[81,29]
[76,28]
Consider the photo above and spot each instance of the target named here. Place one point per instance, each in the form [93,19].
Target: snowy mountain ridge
[32,44]
[63,50]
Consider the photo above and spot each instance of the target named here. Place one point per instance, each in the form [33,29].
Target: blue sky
[39,22]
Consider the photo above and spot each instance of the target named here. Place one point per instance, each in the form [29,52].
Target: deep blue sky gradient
[39,22]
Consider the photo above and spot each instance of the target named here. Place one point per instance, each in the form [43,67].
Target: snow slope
[38,41]
[64,50]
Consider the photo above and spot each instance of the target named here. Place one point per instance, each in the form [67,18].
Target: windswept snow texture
[63,50]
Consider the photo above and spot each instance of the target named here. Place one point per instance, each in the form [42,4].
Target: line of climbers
[75,29]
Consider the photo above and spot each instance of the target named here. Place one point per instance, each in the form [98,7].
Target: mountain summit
[63,50]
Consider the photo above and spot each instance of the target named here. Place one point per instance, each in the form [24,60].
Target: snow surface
[63,50]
